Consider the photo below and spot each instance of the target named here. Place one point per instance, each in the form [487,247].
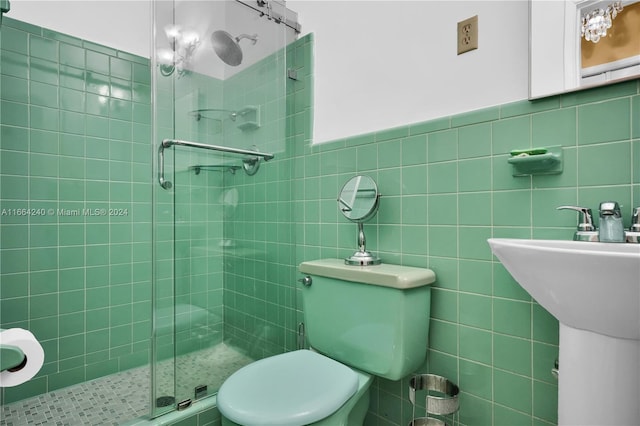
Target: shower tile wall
[259,304]
[75,153]
[211,215]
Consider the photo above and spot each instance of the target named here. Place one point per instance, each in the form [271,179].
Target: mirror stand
[362,257]
[358,201]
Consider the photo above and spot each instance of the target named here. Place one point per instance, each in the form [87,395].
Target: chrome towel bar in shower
[167,143]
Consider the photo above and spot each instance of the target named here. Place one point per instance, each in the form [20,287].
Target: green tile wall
[75,134]
[446,187]
[75,230]
[259,296]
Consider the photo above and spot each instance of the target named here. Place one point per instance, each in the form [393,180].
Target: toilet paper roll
[30,346]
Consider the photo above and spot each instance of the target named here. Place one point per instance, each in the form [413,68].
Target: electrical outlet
[468,35]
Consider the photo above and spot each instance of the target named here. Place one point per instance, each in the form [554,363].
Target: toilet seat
[294,388]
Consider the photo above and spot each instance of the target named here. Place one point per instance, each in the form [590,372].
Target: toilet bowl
[295,388]
[362,321]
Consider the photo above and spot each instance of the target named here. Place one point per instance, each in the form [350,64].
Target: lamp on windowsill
[596,23]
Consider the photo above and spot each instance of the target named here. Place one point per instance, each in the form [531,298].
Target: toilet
[361,322]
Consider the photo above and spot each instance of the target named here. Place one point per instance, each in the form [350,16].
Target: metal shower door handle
[167,143]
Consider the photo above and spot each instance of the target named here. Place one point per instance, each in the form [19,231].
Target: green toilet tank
[372,318]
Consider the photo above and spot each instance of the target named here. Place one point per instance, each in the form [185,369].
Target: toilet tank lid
[294,388]
[387,275]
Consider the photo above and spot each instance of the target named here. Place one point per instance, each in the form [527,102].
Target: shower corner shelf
[248,118]
[539,161]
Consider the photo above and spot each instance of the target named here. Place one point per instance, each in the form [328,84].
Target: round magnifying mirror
[358,201]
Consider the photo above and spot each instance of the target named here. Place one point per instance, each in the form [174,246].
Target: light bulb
[173,32]
[166,56]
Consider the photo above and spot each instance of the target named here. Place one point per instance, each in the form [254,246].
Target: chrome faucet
[611,228]
[586,229]
[633,234]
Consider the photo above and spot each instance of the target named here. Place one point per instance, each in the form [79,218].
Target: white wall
[126,25]
[123,25]
[378,64]
[382,64]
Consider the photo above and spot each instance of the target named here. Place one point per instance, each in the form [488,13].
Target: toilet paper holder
[21,357]
[12,358]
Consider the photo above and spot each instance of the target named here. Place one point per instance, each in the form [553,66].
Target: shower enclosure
[221,140]
[189,275]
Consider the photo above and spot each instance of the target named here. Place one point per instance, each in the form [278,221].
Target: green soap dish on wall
[248,118]
[537,161]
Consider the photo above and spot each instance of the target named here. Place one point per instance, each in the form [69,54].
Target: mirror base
[362,258]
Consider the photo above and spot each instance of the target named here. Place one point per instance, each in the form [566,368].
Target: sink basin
[586,285]
[593,289]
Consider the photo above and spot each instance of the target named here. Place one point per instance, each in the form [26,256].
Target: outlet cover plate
[468,34]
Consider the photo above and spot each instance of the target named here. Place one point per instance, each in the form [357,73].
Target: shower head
[228,48]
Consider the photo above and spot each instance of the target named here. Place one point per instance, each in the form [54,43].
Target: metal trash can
[441,399]
[426,421]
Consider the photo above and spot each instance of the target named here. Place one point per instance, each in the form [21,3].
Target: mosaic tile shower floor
[121,397]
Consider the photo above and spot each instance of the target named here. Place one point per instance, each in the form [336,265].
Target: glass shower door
[214,299]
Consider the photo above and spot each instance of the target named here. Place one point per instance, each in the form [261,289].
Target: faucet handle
[586,222]
[635,220]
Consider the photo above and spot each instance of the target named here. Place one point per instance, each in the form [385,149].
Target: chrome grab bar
[167,143]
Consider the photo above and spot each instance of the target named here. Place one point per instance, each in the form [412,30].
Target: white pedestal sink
[593,289]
